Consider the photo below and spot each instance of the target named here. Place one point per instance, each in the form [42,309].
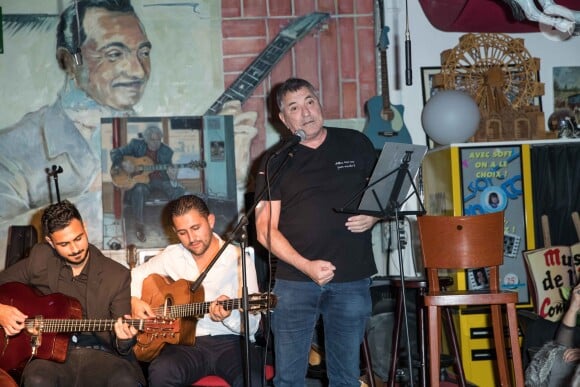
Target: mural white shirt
[45,138]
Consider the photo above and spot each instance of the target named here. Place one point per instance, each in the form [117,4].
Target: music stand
[380,198]
[393,175]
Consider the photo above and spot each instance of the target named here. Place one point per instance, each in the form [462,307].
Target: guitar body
[125,180]
[159,291]
[379,130]
[16,350]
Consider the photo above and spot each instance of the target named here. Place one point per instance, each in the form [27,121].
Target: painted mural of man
[109,80]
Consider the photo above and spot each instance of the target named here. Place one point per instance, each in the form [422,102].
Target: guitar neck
[197,309]
[385,84]
[77,325]
[247,82]
[255,73]
[163,167]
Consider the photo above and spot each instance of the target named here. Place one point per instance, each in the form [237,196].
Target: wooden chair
[468,242]
[216,381]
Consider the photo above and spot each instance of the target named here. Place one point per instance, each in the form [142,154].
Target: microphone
[298,136]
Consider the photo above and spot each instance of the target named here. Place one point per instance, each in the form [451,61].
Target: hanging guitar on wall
[385,121]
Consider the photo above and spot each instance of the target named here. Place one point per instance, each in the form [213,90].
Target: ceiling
[480,15]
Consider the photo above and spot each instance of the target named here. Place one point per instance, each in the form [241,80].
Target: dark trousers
[141,192]
[83,367]
[182,365]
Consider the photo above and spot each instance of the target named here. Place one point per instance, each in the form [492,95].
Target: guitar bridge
[36,334]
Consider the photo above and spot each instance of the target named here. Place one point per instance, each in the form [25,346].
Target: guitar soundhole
[387,114]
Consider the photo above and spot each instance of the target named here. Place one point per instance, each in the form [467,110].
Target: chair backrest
[20,241]
[462,242]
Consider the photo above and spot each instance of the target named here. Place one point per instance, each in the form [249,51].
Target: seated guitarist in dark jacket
[66,263]
[163,180]
[218,346]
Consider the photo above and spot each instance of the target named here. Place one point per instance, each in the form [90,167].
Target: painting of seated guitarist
[217,344]
[126,172]
[68,269]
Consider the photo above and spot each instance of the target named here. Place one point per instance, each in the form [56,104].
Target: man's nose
[135,66]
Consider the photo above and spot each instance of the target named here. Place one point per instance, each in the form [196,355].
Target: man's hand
[321,272]
[216,310]
[571,355]
[360,223]
[11,319]
[172,173]
[123,330]
[141,309]
[127,166]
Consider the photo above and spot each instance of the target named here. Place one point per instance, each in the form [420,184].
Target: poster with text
[492,182]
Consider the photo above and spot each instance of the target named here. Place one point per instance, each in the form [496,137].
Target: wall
[428,43]
[339,59]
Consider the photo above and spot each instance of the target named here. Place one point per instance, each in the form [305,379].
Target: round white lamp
[450,116]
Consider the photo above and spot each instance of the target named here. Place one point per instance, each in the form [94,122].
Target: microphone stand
[54,174]
[240,233]
[393,209]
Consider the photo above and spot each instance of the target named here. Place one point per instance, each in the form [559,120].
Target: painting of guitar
[385,121]
[179,308]
[46,336]
[255,73]
[140,168]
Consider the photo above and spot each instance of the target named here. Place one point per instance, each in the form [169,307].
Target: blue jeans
[345,309]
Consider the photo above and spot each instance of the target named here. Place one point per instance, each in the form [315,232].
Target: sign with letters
[492,182]
[553,270]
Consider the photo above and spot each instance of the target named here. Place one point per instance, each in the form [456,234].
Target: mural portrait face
[116,58]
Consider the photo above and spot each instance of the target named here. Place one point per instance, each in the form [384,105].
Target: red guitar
[45,336]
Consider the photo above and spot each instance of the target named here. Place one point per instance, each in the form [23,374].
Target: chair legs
[452,337]
[515,344]
[499,342]
[368,362]
[433,315]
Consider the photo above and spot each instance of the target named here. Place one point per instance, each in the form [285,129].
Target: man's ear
[282,118]
[47,239]
[211,220]
[66,61]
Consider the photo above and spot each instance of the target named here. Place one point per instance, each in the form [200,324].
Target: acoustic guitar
[385,121]
[177,310]
[46,336]
[142,168]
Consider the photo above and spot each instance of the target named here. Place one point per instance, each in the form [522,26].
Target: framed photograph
[478,278]
[427,74]
[143,255]
[567,89]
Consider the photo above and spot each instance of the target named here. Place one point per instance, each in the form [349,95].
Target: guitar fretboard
[198,309]
[76,325]
[255,73]
[163,167]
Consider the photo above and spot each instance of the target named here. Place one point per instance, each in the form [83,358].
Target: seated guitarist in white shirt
[218,346]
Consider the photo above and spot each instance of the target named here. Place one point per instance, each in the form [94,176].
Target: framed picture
[427,74]
[143,255]
[567,89]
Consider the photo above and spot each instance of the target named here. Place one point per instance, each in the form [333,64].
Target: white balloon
[450,116]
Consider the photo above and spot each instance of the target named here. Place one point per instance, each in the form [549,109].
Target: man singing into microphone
[325,258]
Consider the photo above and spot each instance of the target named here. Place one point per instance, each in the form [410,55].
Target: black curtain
[556,190]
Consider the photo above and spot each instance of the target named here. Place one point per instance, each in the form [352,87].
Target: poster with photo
[492,182]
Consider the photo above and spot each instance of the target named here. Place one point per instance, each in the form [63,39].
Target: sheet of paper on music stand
[390,159]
